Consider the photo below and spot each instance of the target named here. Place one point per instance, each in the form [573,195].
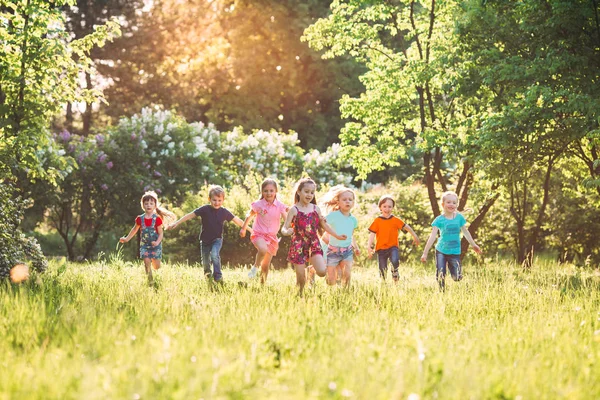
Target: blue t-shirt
[342,225]
[212,222]
[449,241]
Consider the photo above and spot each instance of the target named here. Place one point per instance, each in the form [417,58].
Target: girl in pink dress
[303,222]
[268,211]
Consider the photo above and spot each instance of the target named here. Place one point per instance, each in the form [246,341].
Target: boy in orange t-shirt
[385,229]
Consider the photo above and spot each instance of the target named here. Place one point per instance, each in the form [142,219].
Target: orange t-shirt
[386,231]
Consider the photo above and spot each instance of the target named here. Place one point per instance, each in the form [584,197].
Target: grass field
[97,331]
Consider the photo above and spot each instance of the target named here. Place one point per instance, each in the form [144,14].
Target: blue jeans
[453,263]
[211,254]
[382,257]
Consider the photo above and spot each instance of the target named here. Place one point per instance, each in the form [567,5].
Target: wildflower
[104,186]
[109,165]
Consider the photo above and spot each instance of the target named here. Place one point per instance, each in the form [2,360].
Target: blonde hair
[298,187]
[385,198]
[166,215]
[447,194]
[215,190]
[266,182]
[331,199]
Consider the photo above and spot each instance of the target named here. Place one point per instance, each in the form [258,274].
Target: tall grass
[97,331]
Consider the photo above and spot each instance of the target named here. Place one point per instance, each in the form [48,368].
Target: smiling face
[450,203]
[386,208]
[269,192]
[306,193]
[346,201]
[216,201]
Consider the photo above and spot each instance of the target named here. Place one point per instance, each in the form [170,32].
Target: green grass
[96,331]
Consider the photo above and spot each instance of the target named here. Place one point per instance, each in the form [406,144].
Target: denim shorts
[335,255]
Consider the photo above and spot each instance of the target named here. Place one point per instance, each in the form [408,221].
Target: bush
[15,247]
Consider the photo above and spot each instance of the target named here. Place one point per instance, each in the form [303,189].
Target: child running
[213,217]
[303,222]
[447,250]
[340,253]
[385,229]
[268,211]
[151,223]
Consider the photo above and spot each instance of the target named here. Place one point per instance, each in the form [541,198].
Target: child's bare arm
[328,228]
[132,232]
[429,243]
[286,229]
[249,217]
[240,223]
[370,248]
[416,240]
[180,220]
[469,238]
[355,245]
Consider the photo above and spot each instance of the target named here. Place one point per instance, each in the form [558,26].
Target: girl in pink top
[268,211]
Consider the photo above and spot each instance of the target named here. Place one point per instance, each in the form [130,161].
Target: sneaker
[253,272]
[395,275]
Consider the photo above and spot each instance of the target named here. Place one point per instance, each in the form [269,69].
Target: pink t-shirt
[268,216]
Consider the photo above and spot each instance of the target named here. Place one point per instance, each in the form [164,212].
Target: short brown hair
[215,190]
[385,198]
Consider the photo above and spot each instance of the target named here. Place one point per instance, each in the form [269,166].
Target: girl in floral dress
[151,223]
[303,222]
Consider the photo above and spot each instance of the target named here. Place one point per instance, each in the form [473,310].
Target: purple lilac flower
[104,186]
[65,135]
[146,188]
[133,136]
[109,164]
[158,191]
[71,148]
[157,174]
[102,157]
[99,139]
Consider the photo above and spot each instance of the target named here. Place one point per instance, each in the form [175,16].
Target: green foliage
[15,247]
[500,333]
[40,71]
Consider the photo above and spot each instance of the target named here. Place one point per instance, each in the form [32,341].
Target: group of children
[321,245]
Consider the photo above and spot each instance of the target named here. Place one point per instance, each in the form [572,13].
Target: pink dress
[305,240]
[267,223]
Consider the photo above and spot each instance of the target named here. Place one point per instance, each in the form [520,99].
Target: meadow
[97,331]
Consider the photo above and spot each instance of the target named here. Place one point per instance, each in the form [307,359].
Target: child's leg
[156,263]
[346,266]
[215,259]
[148,267]
[300,276]
[339,273]
[318,263]
[263,258]
[440,266]
[205,255]
[395,259]
[455,266]
[331,277]
[382,258]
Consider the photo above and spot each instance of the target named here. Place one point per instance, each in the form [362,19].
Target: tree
[39,72]
[540,60]
[414,98]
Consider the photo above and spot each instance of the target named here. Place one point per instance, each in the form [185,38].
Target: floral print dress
[305,240]
[149,235]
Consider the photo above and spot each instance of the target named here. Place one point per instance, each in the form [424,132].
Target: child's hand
[416,242]
[242,232]
[342,237]
[424,257]
[155,243]
[477,249]
[123,240]
[357,251]
[286,232]
[370,252]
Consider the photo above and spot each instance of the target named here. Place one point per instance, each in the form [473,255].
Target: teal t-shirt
[342,225]
[449,241]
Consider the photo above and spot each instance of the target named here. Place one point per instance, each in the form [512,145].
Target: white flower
[171,145]
[167,138]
